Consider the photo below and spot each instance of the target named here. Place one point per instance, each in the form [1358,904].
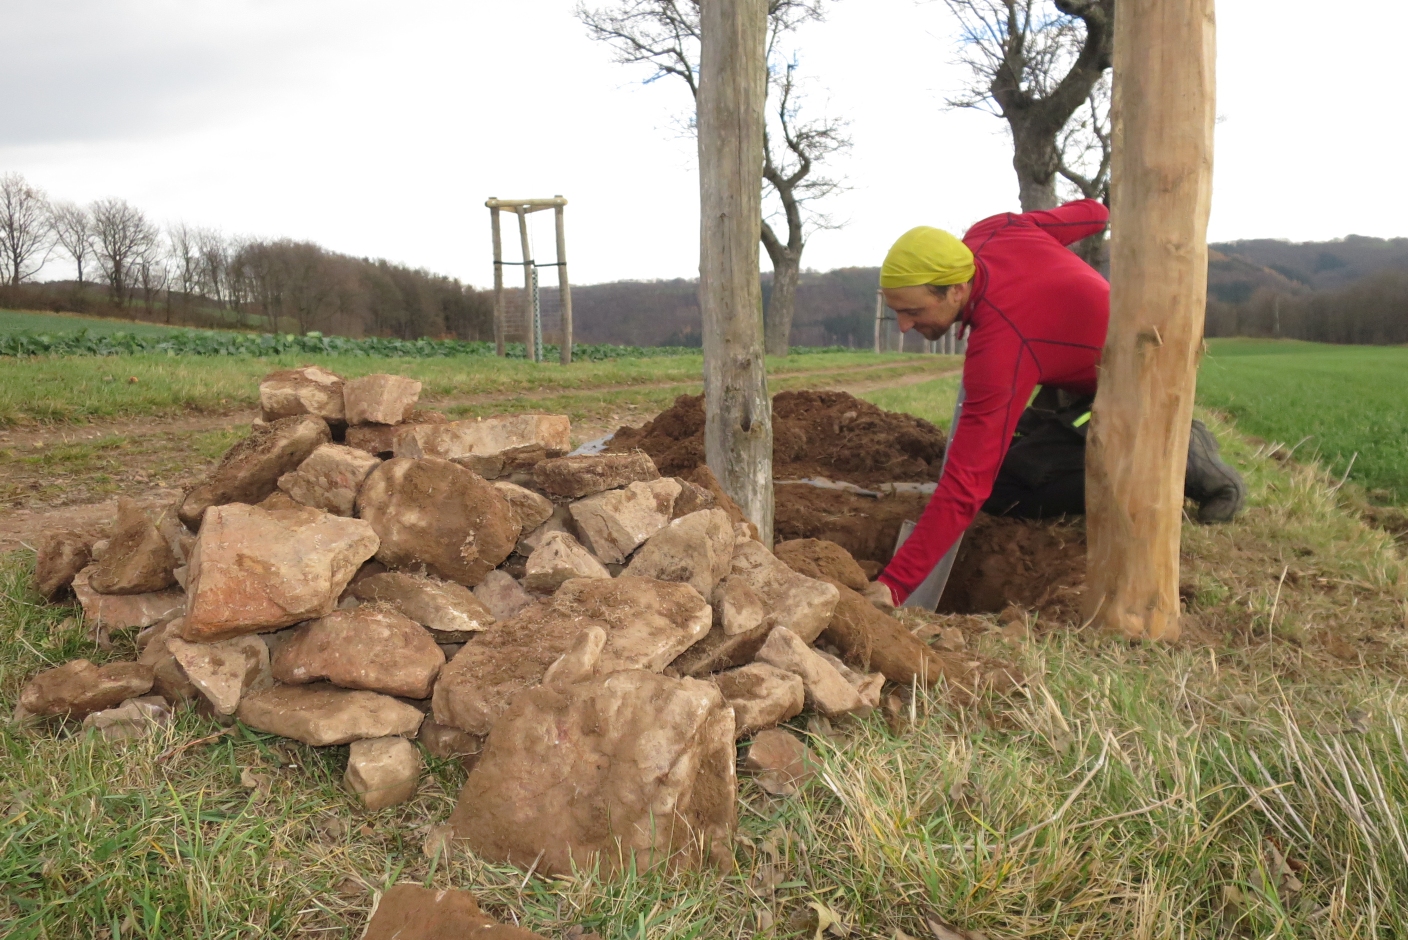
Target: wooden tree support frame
[522,208]
[1160,194]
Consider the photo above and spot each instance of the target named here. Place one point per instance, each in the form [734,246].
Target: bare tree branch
[26,234]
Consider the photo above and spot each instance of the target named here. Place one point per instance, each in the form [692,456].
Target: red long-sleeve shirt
[1037,316]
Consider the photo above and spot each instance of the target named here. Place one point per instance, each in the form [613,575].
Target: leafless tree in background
[214,253]
[152,271]
[185,265]
[664,34]
[122,235]
[1036,65]
[1085,149]
[73,230]
[26,235]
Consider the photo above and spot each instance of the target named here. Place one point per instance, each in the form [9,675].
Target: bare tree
[1036,67]
[121,234]
[664,34]
[26,235]
[151,269]
[73,230]
[185,265]
[215,256]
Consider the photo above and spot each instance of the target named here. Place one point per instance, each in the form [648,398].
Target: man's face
[921,309]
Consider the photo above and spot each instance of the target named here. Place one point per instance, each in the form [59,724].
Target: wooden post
[528,339]
[879,317]
[738,411]
[1161,189]
[498,283]
[564,288]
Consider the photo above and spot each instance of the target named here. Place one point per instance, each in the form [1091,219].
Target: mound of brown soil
[1034,565]
[815,434]
[865,527]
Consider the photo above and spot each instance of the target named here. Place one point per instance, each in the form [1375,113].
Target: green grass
[17,321]
[1337,402]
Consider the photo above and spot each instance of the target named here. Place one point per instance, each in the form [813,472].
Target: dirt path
[72,475]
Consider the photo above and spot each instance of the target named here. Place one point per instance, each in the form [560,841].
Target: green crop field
[25,321]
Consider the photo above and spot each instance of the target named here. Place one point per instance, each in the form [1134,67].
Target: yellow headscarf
[926,255]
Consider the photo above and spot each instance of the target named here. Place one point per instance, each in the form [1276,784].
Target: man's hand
[878,593]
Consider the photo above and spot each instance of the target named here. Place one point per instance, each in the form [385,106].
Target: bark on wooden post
[738,411]
[1161,189]
[498,282]
[564,288]
[530,340]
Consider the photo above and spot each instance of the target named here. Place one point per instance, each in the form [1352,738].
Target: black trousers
[1043,474]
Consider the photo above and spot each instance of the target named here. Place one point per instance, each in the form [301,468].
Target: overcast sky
[379,128]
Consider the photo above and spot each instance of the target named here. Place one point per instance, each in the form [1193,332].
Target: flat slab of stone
[382,771]
[371,647]
[575,477]
[871,640]
[138,559]
[379,440]
[627,768]
[125,611]
[696,549]
[781,762]
[250,470]
[502,595]
[223,672]
[801,604]
[254,570]
[322,715]
[450,611]
[435,515]
[61,554]
[530,509]
[557,559]
[78,688]
[761,696]
[307,390]
[169,680]
[330,478]
[411,912]
[613,524]
[826,688]
[486,437]
[380,398]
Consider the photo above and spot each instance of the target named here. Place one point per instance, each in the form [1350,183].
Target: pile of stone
[590,637]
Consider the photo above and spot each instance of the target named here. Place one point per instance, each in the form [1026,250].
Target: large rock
[871,640]
[309,390]
[330,478]
[79,688]
[380,399]
[502,595]
[529,509]
[696,549]
[448,610]
[761,696]
[560,558]
[382,771]
[253,570]
[61,554]
[379,440]
[250,470]
[371,647]
[823,560]
[169,680]
[630,768]
[410,912]
[614,523]
[781,763]
[559,521]
[223,672]
[124,611]
[704,478]
[692,498]
[485,437]
[647,624]
[826,688]
[320,715]
[433,514]
[138,559]
[737,607]
[575,477]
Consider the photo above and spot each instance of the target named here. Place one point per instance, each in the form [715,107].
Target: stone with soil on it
[134,718]
[61,554]
[379,440]
[627,768]
[761,696]
[250,470]
[693,498]
[575,477]
[871,640]
[253,570]
[225,671]
[696,549]
[432,514]
[321,715]
[868,685]
[826,688]
[330,478]
[737,607]
[411,912]
[529,509]
[823,560]
[558,559]
[647,624]
[559,521]
[613,524]
[782,763]
[502,595]
[372,647]
[448,610]
[79,688]
[447,742]
[486,437]
[382,771]
[124,611]
[138,559]
[380,399]
[169,680]
[308,390]
[702,477]
[801,604]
